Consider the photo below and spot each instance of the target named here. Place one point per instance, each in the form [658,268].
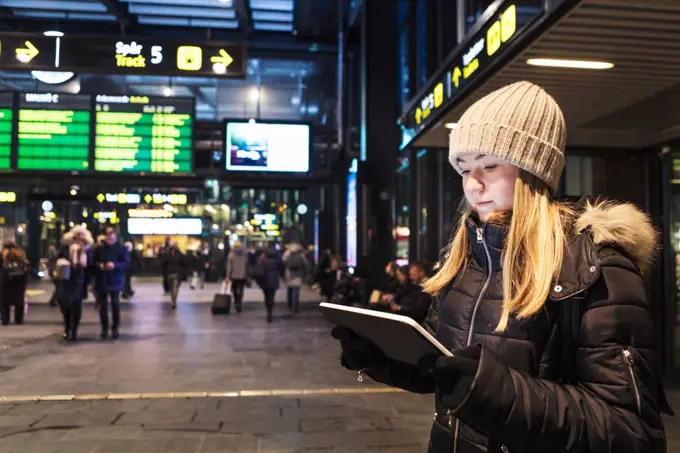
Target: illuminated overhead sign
[8,197]
[128,55]
[164,198]
[143,135]
[467,63]
[150,213]
[120,198]
[165,227]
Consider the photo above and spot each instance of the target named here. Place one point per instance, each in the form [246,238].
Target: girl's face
[488,183]
[403,279]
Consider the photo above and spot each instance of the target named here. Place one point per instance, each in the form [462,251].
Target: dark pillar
[34,228]
[435,161]
[380,134]
[415,219]
[662,279]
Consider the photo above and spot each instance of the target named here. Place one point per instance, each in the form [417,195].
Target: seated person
[413,301]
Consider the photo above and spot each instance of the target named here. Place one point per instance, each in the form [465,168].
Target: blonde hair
[532,253]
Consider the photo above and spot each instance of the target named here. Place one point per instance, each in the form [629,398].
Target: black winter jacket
[518,401]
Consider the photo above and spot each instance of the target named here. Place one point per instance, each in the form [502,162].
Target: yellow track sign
[26,54]
[455,77]
[223,58]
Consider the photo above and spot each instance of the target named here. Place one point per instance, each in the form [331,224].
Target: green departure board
[6,117]
[143,135]
[54,132]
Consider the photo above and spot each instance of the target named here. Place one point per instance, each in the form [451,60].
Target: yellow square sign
[189,58]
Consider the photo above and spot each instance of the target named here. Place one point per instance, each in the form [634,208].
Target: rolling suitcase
[222,301]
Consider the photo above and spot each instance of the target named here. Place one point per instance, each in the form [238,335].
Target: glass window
[422,72]
[402,201]
[473,10]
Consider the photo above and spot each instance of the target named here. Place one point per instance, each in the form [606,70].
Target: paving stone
[18,421]
[334,424]
[261,426]
[143,418]
[184,427]
[75,420]
[150,446]
[33,446]
[230,443]
[103,432]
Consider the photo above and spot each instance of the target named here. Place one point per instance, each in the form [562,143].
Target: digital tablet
[399,337]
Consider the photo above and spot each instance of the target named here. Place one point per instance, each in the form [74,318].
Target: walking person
[296,269]
[14,280]
[73,281]
[268,270]
[542,303]
[52,255]
[237,272]
[112,260]
[176,269]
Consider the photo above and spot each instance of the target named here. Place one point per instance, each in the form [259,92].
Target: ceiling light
[167,91]
[451,125]
[575,64]
[219,68]
[53,33]
[254,94]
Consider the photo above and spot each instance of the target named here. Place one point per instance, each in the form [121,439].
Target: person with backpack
[14,281]
[267,273]
[72,273]
[542,302]
[296,269]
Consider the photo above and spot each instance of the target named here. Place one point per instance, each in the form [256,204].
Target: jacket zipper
[485,285]
[628,358]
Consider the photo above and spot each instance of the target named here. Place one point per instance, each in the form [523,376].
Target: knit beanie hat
[519,123]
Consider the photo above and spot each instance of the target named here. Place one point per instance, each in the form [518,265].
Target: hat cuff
[523,150]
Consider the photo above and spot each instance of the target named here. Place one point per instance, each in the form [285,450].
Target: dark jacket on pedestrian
[272,268]
[517,397]
[413,301]
[75,288]
[112,280]
[14,283]
[174,263]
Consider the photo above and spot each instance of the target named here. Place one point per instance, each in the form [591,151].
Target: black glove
[358,353]
[453,375]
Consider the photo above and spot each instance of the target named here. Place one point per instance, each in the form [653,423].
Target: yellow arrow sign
[148,198]
[223,58]
[101,198]
[456,77]
[28,53]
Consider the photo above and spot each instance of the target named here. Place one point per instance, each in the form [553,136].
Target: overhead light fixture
[219,68]
[53,77]
[254,95]
[573,64]
[451,125]
[167,91]
[53,34]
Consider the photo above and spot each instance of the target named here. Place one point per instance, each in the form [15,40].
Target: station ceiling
[290,44]
[632,105]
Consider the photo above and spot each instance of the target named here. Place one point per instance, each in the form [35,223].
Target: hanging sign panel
[6,129]
[468,63]
[122,55]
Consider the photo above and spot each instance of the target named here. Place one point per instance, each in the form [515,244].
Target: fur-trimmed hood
[622,226]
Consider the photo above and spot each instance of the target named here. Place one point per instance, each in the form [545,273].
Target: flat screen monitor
[273,147]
